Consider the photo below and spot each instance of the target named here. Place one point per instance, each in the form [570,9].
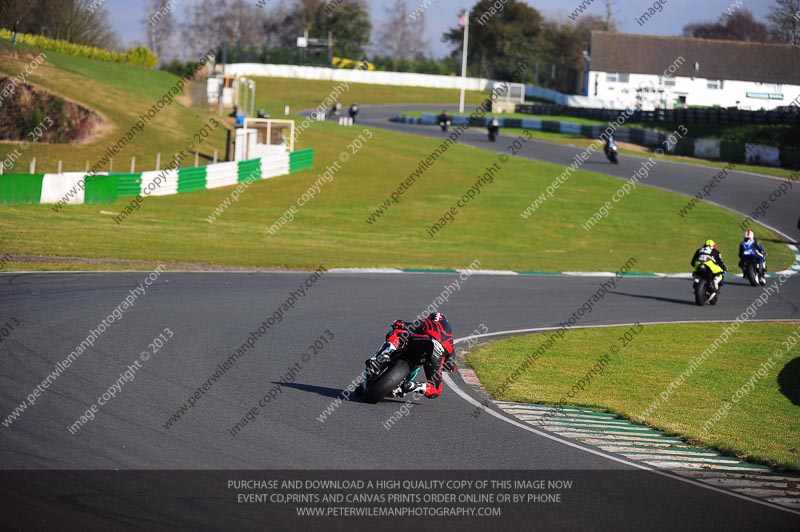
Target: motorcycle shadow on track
[686,301]
[729,282]
[333,393]
[596,163]
[324,391]
[789,381]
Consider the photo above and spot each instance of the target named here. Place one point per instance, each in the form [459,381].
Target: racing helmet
[749,235]
[710,243]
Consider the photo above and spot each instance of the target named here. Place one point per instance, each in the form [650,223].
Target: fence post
[196,159]
[59,166]
[158,161]
[110,165]
[216,155]
[133,164]
[33,166]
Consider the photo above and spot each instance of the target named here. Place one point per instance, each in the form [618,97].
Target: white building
[670,72]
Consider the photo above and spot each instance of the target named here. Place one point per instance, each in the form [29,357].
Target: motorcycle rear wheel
[713,301]
[700,292]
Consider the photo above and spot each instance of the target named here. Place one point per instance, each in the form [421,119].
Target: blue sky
[441,14]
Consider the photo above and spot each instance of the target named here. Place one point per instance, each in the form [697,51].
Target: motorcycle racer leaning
[433,337]
[750,250]
[709,255]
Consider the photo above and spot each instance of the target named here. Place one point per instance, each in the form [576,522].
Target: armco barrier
[128,185]
[100,189]
[373,77]
[668,116]
[77,188]
[301,159]
[191,179]
[222,175]
[20,188]
[69,186]
[275,166]
[249,170]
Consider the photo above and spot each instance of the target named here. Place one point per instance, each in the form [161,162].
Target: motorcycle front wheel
[750,274]
[387,382]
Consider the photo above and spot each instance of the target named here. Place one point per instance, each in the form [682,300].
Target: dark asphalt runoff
[131,468]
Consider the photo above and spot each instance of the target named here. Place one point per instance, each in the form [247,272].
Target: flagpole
[464,62]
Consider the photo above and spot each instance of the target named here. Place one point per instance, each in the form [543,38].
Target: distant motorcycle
[704,290]
[494,129]
[612,150]
[444,122]
[753,268]
[353,112]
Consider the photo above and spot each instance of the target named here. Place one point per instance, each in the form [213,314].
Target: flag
[462,20]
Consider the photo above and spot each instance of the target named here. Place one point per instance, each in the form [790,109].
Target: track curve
[212,314]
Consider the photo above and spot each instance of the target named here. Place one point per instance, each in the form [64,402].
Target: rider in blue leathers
[750,250]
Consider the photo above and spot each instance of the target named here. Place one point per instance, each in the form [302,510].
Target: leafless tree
[201,30]
[210,23]
[740,25]
[159,26]
[610,18]
[784,18]
[77,21]
[401,36]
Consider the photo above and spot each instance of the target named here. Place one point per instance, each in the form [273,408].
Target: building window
[667,82]
[715,84]
[616,77]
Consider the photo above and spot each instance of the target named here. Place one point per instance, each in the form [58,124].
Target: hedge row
[139,56]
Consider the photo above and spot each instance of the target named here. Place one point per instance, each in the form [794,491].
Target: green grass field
[332,229]
[335,224]
[120,93]
[763,425]
[308,94]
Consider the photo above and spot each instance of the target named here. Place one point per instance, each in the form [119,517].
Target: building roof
[726,60]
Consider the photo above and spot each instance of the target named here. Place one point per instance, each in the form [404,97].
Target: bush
[180,69]
[140,56]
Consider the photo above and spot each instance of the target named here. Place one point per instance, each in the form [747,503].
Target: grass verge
[763,425]
[335,223]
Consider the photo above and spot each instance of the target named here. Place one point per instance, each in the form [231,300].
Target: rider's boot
[409,387]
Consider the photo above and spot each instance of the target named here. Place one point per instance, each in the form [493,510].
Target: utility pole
[464,61]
